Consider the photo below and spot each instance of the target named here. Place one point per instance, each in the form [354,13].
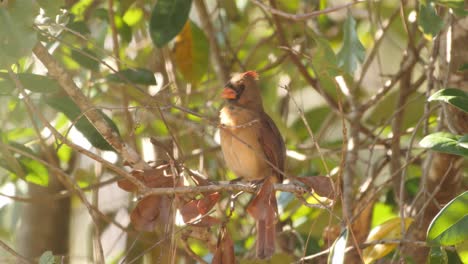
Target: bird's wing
[272,144]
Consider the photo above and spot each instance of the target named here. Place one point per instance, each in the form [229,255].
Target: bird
[254,150]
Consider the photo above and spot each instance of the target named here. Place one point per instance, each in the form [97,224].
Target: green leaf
[314,117]
[16,30]
[133,16]
[38,83]
[125,31]
[325,65]
[429,22]
[6,87]
[379,115]
[463,67]
[458,6]
[382,212]
[86,58]
[47,258]
[37,173]
[437,255]
[352,52]
[450,225]
[462,250]
[453,96]
[445,142]
[33,82]
[80,27]
[463,141]
[51,7]
[337,252]
[135,76]
[72,111]
[167,20]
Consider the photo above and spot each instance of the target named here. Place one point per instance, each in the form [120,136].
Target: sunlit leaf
[167,20]
[16,30]
[429,22]
[65,105]
[37,173]
[124,30]
[338,248]
[382,212]
[191,52]
[352,52]
[135,76]
[389,230]
[80,7]
[450,225]
[455,97]
[462,251]
[445,142]
[133,16]
[463,141]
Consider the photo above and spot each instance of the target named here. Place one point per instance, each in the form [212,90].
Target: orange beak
[228,93]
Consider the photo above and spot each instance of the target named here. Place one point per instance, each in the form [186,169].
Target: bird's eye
[241,89]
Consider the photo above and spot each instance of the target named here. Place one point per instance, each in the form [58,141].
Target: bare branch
[300,17]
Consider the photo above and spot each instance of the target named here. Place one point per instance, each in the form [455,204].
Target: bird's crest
[252,74]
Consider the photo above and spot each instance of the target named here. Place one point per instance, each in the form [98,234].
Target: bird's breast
[240,145]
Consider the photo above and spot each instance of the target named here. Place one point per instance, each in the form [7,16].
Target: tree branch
[224,186]
[300,17]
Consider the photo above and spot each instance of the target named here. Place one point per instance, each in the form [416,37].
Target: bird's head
[242,90]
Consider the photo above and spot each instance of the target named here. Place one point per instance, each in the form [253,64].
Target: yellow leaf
[191,53]
[389,230]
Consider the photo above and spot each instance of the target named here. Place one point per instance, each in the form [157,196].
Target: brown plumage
[254,149]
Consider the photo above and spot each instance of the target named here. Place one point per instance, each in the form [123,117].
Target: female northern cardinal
[254,149]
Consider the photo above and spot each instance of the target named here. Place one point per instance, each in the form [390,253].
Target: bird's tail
[263,208]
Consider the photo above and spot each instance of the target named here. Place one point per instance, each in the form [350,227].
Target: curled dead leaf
[159,176]
[321,185]
[224,253]
[194,212]
[145,214]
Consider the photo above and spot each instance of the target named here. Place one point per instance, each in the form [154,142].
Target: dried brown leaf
[145,214]
[224,250]
[321,185]
[160,176]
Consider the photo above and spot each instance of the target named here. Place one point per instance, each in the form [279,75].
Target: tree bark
[44,224]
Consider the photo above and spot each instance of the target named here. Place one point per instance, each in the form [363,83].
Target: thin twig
[19,258]
[300,17]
